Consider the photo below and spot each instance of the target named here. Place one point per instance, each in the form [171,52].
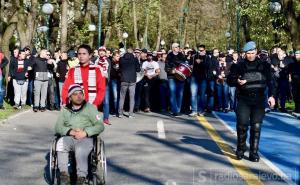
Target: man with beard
[294,71]
[251,77]
[77,123]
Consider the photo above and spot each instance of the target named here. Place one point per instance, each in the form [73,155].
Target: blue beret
[249,46]
[297,52]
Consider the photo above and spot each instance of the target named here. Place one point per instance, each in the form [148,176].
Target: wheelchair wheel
[53,169]
[101,168]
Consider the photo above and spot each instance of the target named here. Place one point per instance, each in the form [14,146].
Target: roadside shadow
[46,169]
[209,145]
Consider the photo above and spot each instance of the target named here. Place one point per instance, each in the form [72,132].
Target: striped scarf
[91,81]
[20,68]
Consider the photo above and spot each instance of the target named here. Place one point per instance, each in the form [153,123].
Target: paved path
[150,149]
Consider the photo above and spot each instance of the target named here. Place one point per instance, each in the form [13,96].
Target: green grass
[8,111]
[290,105]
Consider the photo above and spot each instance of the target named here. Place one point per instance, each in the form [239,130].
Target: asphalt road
[149,149]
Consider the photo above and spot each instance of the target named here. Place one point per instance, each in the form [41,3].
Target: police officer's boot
[254,142]
[241,141]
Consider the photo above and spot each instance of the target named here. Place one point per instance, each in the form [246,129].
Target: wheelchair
[96,165]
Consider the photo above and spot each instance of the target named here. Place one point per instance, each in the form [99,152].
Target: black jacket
[62,69]
[115,71]
[40,65]
[294,70]
[129,66]
[200,70]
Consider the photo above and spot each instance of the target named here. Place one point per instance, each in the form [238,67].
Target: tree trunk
[109,23]
[245,23]
[184,39]
[26,25]
[159,29]
[182,20]
[293,22]
[64,25]
[9,32]
[145,40]
[135,28]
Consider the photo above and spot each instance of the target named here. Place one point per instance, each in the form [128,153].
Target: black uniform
[294,70]
[250,107]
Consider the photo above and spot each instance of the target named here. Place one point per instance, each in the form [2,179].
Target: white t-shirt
[150,67]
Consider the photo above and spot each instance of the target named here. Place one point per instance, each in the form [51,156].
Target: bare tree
[64,25]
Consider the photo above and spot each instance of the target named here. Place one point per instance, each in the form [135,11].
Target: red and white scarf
[20,66]
[103,63]
[91,81]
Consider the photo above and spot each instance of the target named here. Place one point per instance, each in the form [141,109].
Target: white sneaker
[193,114]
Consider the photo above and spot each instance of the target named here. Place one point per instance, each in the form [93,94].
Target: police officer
[251,77]
[294,70]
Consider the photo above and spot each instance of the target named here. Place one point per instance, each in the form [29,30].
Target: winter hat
[73,88]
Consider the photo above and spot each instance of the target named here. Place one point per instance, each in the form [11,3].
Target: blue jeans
[195,97]
[176,93]
[106,103]
[115,88]
[232,98]
[210,94]
[223,95]
[30,92]
[1,90]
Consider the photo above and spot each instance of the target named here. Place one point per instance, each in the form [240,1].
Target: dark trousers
[296,96]
[148,88]
[138,94]
[249,113]
[284,90]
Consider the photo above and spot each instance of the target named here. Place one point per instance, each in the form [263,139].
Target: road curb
[14,116]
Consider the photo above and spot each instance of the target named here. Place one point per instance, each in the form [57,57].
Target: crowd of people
[149,78]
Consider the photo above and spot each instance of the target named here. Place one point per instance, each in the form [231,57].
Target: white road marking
[161,130]
[263,158]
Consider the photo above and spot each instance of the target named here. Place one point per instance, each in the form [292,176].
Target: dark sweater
[129,65]
[62,69]
[18,74]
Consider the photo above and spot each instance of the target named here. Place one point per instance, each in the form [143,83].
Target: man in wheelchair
[76,125]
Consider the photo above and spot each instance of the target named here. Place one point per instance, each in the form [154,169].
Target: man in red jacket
[88,76]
